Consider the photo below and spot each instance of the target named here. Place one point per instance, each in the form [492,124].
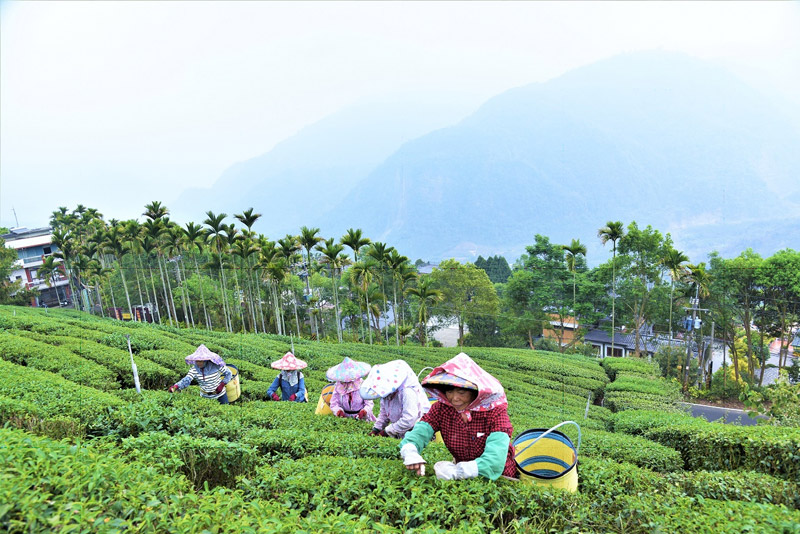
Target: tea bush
[160,462]
[715,446]
[35,354]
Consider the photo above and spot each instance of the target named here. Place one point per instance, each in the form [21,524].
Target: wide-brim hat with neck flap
[289,362]
[203,354]
[348,370]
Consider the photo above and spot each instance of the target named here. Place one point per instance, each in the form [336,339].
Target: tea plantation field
[81,451]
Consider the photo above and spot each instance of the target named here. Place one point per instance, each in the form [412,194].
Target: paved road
[728,415]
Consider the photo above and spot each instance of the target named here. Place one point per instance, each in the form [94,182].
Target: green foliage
[496,268]
[783,398]
[39,355]
[140,462]
[715,446]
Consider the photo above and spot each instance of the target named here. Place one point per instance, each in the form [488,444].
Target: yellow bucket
[324,404]
[548,457]
[232,388]
[438,437]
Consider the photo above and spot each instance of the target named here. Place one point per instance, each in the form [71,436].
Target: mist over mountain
[659,138]
[313,170]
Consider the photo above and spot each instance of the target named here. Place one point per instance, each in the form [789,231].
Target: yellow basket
[548,457]
[232,388]
[324,404]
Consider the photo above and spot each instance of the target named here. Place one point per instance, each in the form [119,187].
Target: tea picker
[210,372]
[346,401]
[471,413]
[290,380]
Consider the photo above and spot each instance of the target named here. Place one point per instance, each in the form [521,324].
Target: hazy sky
[114,104]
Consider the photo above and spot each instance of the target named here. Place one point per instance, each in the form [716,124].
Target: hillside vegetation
[81,451]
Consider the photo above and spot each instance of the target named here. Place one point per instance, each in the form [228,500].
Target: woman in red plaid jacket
[472,416]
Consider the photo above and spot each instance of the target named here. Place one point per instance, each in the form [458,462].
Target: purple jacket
[401,410]
[351,403]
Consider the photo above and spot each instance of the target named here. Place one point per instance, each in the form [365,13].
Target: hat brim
[447,379]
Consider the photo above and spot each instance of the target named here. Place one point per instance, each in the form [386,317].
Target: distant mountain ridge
[313,170]
[660,138]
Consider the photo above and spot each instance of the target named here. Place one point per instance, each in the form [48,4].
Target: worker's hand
[382,433]
[340,413]
[362,414]
[374,432]
[292,397]
[220,387]
[173,388]
[412,460]
[275,397]
[445,470]
[459,471]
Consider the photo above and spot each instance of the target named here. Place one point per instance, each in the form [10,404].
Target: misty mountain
[659,138]
[313,170]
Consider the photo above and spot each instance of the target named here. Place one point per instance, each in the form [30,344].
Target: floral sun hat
[385,379]
[348,370]
[203,354]
[289,362]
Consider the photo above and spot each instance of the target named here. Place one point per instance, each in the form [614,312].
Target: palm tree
[244,249]
[573,250]
[148,244]
[174,247]
[288,248]
[195,238]
[613,231]
[331,255]
[154,229]
[115,243]
[396,262]
[48,270]
[362,273]
[218,238]
[267,251]
[67,251]
[248,218]
[675,262]
[308,238]
[278,270]
[354,239]
[428,297]
[381,253]
[132,237]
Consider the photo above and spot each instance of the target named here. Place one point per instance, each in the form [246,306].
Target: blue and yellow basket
[324,403]
[547,457]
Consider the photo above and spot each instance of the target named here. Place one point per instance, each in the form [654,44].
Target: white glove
[467,469]
[410,455]
[451,471]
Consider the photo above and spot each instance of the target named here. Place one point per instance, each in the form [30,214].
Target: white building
[32,247]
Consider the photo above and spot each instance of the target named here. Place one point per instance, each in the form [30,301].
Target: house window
[46,251]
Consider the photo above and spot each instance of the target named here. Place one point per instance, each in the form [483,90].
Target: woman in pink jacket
[345,400]
[403,401]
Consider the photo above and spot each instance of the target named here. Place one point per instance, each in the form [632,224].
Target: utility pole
[694,309]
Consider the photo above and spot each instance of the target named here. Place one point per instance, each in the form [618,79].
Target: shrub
[58,360]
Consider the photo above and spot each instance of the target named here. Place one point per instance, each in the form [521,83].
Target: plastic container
[324,403]
[233,388]
[547,457]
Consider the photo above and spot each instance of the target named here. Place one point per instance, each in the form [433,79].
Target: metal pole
[133,366]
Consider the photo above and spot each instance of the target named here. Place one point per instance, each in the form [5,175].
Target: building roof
[22,232]
[28,242]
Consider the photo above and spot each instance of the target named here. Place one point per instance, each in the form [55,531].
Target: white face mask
[290,377]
